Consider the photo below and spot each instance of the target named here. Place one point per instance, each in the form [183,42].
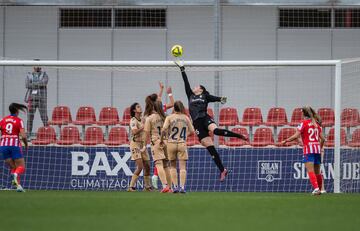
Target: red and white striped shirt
[310,135]
[10,127]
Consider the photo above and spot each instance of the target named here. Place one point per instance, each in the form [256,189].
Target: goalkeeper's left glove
[223,100]
[180,64]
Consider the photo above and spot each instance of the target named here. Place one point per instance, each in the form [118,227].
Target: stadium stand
[296,117]
[327,116]
[355,138]
[45,136]
[126,117]
[228,116]
[284,134]
[69,135]
[117,136]
[61,115]
[330,139]
[235,141]
[93,136]
[262,137]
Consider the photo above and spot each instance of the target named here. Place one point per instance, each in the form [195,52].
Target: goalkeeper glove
[180,64]
[223,100]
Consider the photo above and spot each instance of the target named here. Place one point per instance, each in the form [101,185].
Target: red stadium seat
[263,137]
[350,117]
[228,117]
[45,136]
[93,136]
[252,117]
[330,139]
[236,141]
[126,117]
[85,116]
[69,135]
[355,139]
[296,117]
[108,116]
[284,134]
[192,140]
[327,117]
[276,117]
[117,136]
[61,115]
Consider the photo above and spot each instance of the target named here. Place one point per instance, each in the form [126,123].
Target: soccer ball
[176,50]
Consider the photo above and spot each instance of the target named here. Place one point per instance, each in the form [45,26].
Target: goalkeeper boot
[224,174]
[316,192]
[19,188]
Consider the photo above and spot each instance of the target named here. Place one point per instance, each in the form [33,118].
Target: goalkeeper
[199,98]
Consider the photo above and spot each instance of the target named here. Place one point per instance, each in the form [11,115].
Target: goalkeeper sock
[215,156]
[227,133]
[133,181]
[313,180]
[319,179]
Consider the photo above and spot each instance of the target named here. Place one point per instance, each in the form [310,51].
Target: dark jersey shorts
[201,126]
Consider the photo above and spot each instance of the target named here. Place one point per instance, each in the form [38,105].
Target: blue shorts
[313,158]
[11,152]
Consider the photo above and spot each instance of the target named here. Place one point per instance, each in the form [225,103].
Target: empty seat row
[228,117]
[118,135]
[277,117]
[85,115]
[70,135]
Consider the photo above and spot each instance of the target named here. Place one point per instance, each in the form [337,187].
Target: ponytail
[16,107]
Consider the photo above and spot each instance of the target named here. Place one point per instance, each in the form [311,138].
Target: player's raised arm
[171,97]
[188,90]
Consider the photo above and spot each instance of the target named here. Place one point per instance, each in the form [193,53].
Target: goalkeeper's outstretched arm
[188,90]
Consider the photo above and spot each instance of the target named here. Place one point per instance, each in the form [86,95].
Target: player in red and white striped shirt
[12,131]
[313,140]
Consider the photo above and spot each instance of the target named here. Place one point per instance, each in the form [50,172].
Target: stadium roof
[183,2]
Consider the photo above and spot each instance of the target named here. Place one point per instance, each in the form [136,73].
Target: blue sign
[252,169]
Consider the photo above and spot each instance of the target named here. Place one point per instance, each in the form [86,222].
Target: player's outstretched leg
[162,175]
[182,166]
[174,176]
[208,143]
[227,133]
[139,168]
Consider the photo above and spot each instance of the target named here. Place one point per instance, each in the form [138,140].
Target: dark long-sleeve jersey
[197,103]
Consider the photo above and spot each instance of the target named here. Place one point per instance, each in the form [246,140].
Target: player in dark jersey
[199,98]
[12,132]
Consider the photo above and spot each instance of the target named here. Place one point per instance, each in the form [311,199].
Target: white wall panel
[30,33]
[134,44]
[85,87]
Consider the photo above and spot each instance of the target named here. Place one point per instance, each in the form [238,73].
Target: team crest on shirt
[269,170]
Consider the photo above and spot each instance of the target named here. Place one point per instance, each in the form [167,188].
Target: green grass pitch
[101,211]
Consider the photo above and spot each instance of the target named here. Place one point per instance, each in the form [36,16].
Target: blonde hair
[310,113]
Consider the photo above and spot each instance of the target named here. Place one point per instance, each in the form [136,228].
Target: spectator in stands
[36,96]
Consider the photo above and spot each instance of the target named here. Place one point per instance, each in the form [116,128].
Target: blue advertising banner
[252,169]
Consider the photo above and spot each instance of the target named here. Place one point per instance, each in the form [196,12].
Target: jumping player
[153,125]
[12,131]
[149,101]
[199,98]
[177,127]
[138,148]
[313,140]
